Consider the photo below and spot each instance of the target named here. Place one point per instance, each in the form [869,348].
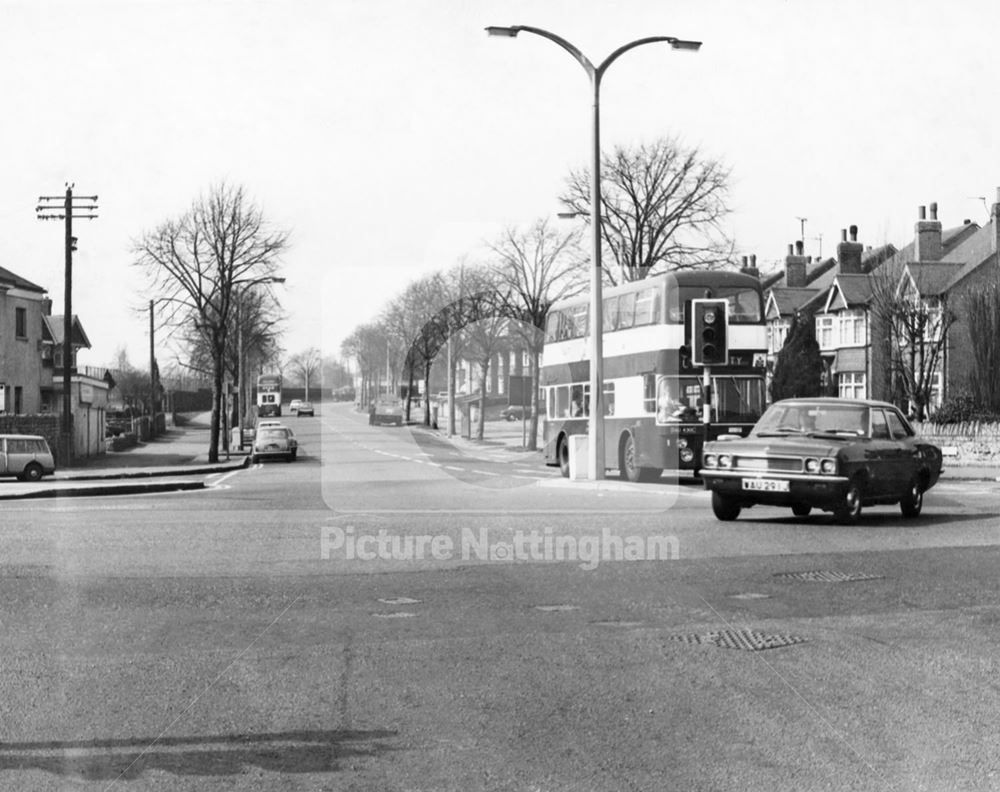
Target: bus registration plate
[766,485]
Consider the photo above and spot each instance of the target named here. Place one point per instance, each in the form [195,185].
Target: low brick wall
[968,443]
[46,425]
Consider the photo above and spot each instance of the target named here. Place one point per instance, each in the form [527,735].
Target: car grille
[777,464]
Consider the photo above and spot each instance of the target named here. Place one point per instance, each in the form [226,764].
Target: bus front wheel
[628,464]
[562,454]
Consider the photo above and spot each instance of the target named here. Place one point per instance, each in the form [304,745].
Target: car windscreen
[808,418]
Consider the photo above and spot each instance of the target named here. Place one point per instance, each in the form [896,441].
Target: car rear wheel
[801,509]
[32,472]
[849,509]
[725,509]
[913,501]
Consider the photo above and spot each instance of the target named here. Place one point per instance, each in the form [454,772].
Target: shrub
[962,408]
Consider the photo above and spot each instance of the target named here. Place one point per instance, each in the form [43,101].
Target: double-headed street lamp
[595,466]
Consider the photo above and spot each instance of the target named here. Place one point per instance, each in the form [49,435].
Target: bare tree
[662,209]
[982,313]
[305,365]
[536,266]
[914,329]
[367,346]
[201,262]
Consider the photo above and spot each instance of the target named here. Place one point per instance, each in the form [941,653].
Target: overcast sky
[392,136]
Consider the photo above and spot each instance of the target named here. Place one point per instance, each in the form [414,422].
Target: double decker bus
[269,395]
[653,395]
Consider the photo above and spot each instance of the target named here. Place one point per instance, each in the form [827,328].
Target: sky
[392,138]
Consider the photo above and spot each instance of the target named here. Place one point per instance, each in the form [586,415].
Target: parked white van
[26,456]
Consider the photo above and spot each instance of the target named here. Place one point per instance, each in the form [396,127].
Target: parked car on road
[388,410]
[293,406]
[515,413]
[26,456]
[837,455]
[274,441]
[305,408]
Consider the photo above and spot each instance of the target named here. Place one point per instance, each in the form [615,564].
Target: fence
[969,442]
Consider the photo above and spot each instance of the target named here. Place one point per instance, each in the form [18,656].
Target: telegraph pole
[47,209]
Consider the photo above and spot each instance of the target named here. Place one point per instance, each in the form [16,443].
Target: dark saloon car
[836,455]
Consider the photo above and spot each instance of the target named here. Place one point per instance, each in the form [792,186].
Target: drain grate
[827,576]
[747,640]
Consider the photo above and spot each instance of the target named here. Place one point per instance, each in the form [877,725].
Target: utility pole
[48,210]
[152,376]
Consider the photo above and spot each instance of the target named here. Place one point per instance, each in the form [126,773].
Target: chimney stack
[927,241]
[751,268]
[849,253]
[795,267]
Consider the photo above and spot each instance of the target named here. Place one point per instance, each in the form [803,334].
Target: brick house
[22,306]
[938,267]
[804,288]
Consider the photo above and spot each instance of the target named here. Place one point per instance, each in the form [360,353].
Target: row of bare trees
[662,209]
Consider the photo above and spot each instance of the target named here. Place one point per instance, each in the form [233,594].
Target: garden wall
[968,443]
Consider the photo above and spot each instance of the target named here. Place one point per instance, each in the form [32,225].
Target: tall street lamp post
[241,396]
[595,425]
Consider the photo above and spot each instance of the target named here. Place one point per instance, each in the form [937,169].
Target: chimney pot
[753,259]
[799,247]
[934,211]
[791,250]
[843,234]
[744,261]
[854,233]
[922,213]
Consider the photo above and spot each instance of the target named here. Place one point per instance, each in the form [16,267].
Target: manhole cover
[827,576]
[748,640]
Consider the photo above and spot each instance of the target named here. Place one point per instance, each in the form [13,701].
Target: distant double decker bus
[653,395]
[269,395]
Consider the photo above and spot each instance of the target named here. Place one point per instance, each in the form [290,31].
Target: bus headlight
[687,455]
[682,443]
[829,466]
[710,460]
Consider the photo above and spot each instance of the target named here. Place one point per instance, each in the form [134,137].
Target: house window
[824,332]
[851,385]
[21,322]
[18,395]
[777,332]
[852,328]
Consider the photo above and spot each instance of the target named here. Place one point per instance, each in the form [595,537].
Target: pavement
[177,460]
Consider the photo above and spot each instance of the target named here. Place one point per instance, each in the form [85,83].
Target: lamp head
[681,44]
[510,32]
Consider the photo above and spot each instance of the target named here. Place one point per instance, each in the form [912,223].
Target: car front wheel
[913,501]
[801,510]
[849,509]
[725,509]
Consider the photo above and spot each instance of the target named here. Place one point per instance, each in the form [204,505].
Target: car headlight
[812,466]
[710,460]
[829,466]
[725,460]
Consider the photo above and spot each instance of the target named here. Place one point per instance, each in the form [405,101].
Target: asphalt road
[390,613]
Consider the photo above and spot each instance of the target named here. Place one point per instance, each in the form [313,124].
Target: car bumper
[818,491]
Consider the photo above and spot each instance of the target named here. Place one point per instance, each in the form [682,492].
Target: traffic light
[708,333]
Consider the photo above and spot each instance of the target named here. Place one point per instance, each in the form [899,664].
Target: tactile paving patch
[827,576]
[747,640]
